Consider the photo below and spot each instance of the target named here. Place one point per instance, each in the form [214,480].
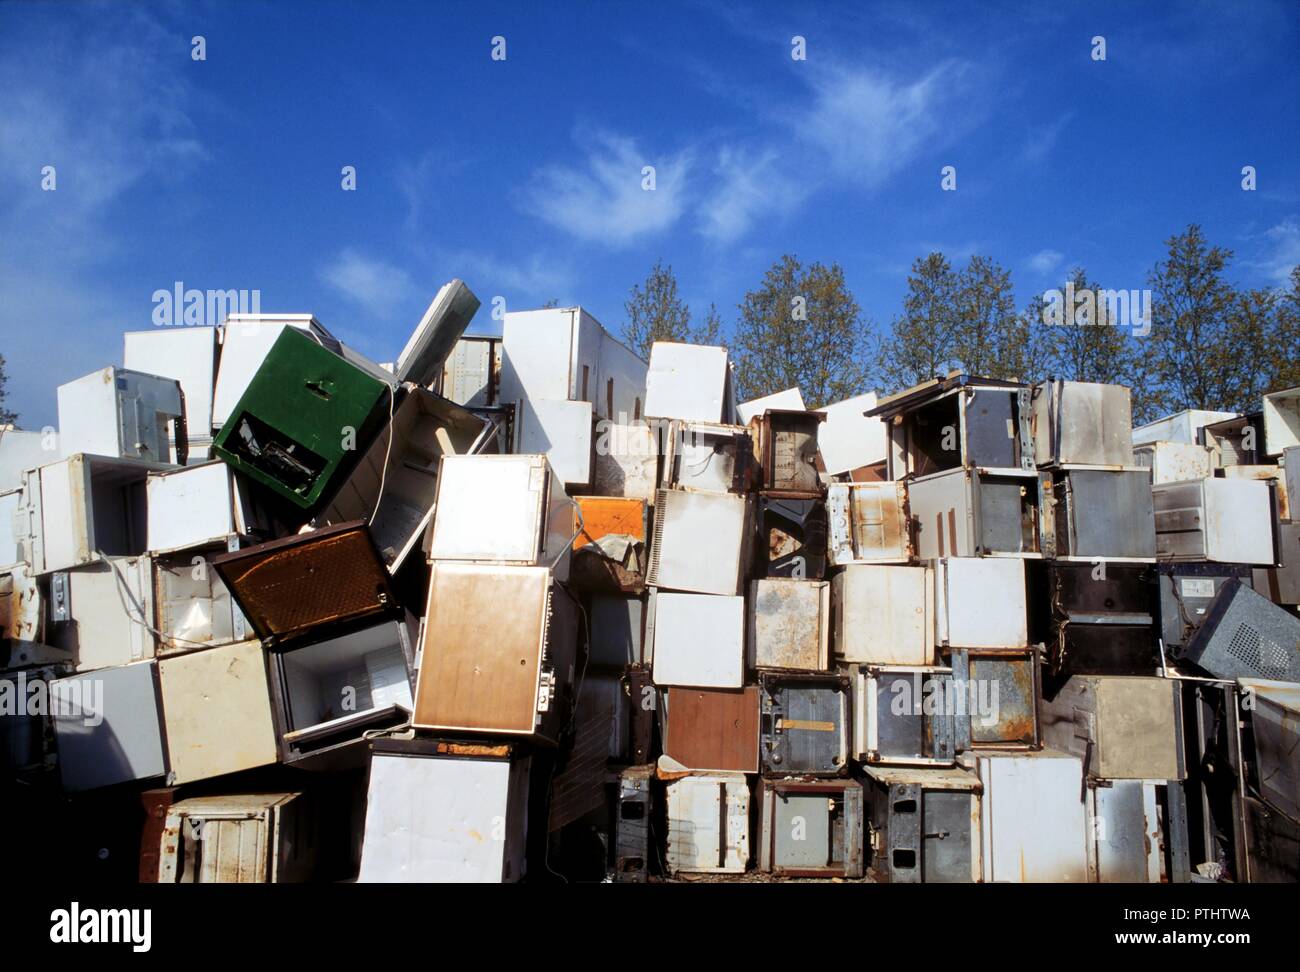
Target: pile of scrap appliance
[525,607]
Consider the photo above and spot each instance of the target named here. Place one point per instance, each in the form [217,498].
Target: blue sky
[523,176]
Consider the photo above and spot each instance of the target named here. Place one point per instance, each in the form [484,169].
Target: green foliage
[801,327]
[656,313]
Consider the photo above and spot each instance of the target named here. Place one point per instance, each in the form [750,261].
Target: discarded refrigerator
[805,723]
[74,510]
[1126,844]
[107,726]
[810,828]
[959,421]
[188,354]
[122,414]
[697,639]
[908,715]
[303,420]
[710,458]
[869,523]
[487,670]
[976,513]
[101,613]
[1002,698]
[438,815]
[702,542]
[200,505]
[217,714]
[1082,423]
[1124,727]
[980,602]
[1174,462]
[688,381]
[501,510]
[403,462]
[1073,528]
[791,538]
[339,643]
[883,614]
[1222,520]
[708,824]
[1094,619]
[789,624]
[785,445]
[263,838]
[1033,825]
[712,730]
[924,824]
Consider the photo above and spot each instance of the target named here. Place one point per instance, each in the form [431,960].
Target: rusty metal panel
[1273,474]
[632,826]
[1174,462]
[1003,699]
[811,829]
[712,730]
[869,523]
[289,587]
[789,624]
[785,444]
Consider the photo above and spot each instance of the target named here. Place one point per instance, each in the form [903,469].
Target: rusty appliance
[907,715]
[339,643]
[712,730]
[791,538]
[924,824]
[708,457]
[811,828]
[1002,697]
[497,652]
[789,624]
[869,523]
[1124,727]
[785,447]
[806,723]
[1094,619]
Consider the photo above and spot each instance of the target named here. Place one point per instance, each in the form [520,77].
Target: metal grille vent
[1261,654]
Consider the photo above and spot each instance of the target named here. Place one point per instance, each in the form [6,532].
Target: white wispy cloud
[1282,252]
[745,187]
[602,201]
[96,101]
[370,282]
[870,125]
[1045,261]
[1043,138]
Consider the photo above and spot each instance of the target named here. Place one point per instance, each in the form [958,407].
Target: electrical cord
[388,451]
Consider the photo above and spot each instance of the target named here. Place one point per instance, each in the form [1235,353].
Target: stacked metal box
[953,635]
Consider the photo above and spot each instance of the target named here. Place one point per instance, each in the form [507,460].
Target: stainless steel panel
[1104,514]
